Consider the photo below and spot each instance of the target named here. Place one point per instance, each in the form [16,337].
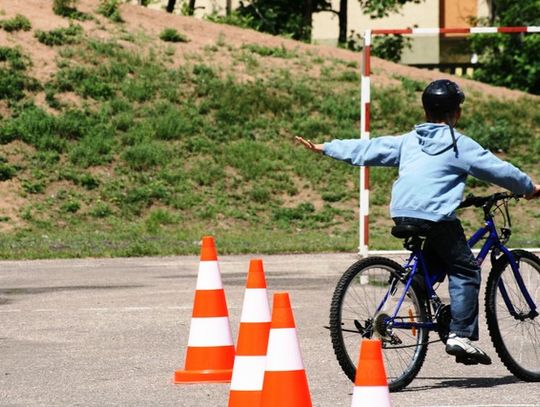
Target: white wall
[425,49]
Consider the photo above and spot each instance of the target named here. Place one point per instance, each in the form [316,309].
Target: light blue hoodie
[431,174]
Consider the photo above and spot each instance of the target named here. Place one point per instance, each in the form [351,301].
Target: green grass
[17,23]
[154,154]
[172,35]
[60,36]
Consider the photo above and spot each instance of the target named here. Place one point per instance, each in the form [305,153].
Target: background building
[425,50]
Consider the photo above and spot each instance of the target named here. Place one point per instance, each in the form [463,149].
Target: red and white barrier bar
[365,101]
[468,30]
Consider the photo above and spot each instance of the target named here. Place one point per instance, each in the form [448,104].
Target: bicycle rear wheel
[515,338]
[353,316]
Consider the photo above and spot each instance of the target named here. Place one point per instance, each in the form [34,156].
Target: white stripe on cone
[209,277]
[283,351]
[248,373]
[255,307]
[213,331]
[364,396]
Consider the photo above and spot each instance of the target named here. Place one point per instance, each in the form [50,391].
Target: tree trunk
[191,7]
[308,19]
[342,39]
[170,6]
[228,7]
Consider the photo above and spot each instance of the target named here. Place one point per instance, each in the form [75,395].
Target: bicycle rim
[516,340]
[354,312]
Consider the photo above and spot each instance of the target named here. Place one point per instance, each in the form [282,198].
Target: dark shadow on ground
[461,382]
[43,290]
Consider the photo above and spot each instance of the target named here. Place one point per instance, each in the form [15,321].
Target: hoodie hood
[435,138]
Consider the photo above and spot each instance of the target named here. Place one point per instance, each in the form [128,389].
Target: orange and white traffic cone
[210,351]
[250,360]
[285,382]
[370,384]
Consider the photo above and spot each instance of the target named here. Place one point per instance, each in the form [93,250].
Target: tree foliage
[283,17]
[293,18]
[510,60]
[383,8]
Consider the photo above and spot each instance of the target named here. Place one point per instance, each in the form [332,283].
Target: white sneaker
[465,352]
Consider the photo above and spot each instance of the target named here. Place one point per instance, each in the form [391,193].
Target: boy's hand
[535,194]
[317,148]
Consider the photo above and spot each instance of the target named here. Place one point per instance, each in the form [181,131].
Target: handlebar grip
[472,200]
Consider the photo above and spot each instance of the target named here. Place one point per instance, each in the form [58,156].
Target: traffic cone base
[202,376]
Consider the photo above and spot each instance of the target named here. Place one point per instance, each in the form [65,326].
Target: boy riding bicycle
[434,161]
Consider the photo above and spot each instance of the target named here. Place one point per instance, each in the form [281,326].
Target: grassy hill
[137,134]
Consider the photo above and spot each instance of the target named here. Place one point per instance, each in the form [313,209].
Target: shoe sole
[466,358]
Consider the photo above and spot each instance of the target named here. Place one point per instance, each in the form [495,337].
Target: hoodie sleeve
[486,166]
[380,151]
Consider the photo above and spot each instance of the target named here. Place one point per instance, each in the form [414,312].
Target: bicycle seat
[405,231]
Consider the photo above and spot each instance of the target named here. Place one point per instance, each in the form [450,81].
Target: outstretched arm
[316,148]
[380,151]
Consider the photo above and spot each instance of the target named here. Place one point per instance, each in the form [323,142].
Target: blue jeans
[446,248]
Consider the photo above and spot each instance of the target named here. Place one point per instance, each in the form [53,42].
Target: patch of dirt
[10,205]
[5,111]
[202,34]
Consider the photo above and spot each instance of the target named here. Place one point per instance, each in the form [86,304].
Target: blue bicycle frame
[417,259]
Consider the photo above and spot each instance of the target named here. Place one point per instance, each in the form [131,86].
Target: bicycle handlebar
[485,201]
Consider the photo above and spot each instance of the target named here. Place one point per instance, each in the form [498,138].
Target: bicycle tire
[400,371]
[516,342]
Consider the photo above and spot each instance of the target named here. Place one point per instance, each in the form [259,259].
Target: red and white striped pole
[365,99]
[465,30]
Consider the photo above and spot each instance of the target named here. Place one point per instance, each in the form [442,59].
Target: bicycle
[377,297]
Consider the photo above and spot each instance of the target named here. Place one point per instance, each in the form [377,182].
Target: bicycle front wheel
[516,334]
[366,295]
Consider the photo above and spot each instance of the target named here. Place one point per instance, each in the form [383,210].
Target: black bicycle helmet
[442,96]
[441,99]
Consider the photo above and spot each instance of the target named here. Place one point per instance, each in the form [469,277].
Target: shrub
[63,7]
[278,52]
[71,206]
[33,187]
[94,149]
[110,9]
[139,89]
[7,171]
[60,36]
[146,155]
[16,60]
[101,210]
[17,23]
[12,84]
[172,35]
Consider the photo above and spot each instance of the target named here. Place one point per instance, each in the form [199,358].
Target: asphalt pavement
[111,332]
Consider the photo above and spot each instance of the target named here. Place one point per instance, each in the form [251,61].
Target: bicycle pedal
[466,360]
